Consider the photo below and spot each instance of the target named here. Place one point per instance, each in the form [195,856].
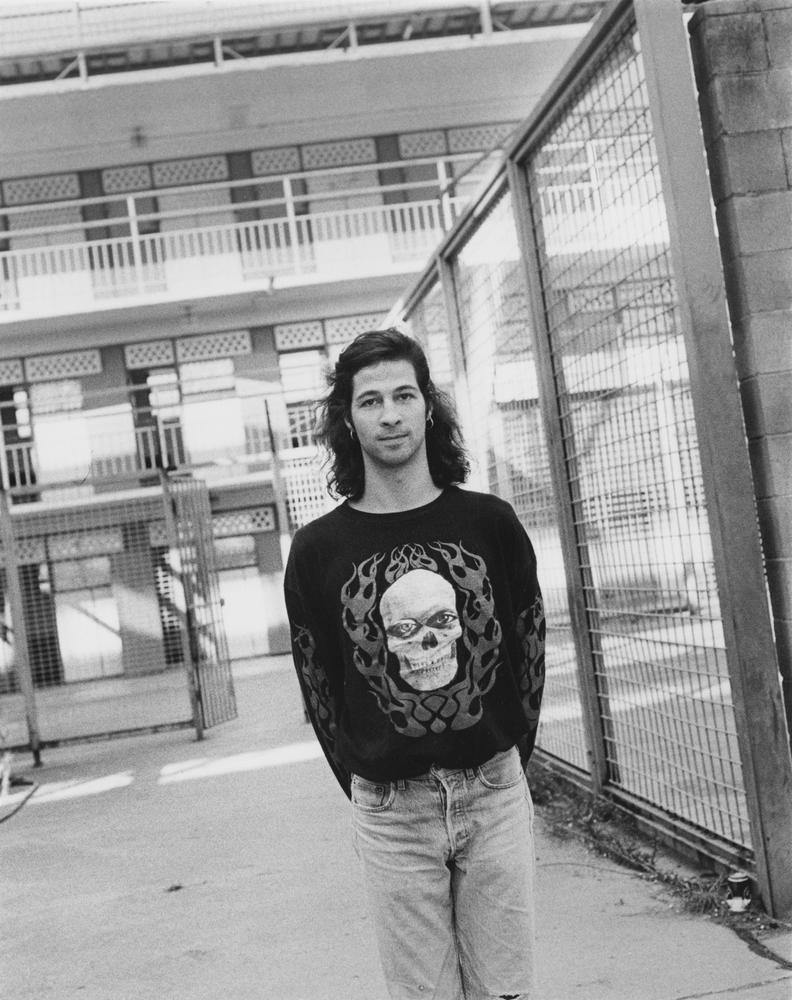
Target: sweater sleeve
[530,628]
[312,660]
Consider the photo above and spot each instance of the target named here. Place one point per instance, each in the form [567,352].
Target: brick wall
[742,54]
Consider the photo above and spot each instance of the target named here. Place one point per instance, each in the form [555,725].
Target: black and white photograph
[396,499]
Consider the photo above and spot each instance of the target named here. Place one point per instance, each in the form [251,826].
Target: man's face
[388,413]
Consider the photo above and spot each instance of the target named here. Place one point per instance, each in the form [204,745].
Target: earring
[352,433]
[430,421]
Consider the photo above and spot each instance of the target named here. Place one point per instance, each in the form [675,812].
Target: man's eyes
[375,400]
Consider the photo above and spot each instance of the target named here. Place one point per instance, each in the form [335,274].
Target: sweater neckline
[395,516]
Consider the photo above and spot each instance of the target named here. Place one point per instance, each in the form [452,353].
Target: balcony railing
[79,256]
[18,470]
[217,260]
[101,441]
[102,458]
[113,460]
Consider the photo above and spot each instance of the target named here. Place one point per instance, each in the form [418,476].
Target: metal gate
[197,596]
[110,619]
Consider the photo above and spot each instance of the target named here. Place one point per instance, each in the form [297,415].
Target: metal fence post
[279,488]
[5,478]
[728,484]
[448,290]
[19,627]
[185,630]
[585,635]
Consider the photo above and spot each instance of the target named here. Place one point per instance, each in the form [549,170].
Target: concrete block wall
[742,56]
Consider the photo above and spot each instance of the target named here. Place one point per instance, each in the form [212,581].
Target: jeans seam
[374,810]
[498,788]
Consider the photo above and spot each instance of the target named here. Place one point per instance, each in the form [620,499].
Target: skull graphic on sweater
[421,627]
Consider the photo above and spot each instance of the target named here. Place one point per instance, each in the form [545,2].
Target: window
[203,378]
[303,385]
[63,445]
[302,421]
[22,413]
[302,374]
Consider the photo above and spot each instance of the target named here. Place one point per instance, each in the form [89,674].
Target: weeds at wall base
[570,812]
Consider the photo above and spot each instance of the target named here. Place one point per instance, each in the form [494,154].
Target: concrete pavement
[159,867]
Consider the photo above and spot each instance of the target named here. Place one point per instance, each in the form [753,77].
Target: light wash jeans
[448,860]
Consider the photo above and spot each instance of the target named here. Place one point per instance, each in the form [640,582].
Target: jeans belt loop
[401,784]
[470,772]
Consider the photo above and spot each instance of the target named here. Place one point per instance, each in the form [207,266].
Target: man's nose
[390,413]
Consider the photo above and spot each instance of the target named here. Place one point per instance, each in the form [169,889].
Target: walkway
[158,868]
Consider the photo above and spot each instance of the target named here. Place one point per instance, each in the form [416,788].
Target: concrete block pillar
[742,56]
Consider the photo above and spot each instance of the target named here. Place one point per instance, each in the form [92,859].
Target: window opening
[156,408]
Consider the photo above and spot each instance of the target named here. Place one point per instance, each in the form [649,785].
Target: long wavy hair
[445,450]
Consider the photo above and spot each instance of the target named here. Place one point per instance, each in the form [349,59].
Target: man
[418,637]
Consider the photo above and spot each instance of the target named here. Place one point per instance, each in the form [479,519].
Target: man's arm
[531,675]
[320,702]
[530,628]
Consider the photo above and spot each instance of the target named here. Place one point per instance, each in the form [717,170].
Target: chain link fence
[631,449]
[559,301]
[111,619]
[509,443]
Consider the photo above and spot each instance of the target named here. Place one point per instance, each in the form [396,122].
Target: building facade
[199,209]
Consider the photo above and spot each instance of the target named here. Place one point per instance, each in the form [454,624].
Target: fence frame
[728,484]
[19,628]
[725,462]
[200,674]
[680,833]
[547,386]
[193,670]
[188,660]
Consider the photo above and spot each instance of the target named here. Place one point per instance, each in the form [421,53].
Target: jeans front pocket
[501,771]
[372,796]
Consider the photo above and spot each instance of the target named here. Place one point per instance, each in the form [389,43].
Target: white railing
[19,464]
[102,446]
[163,244]
[153,447]
[218,260]
[82,454]
[136,456]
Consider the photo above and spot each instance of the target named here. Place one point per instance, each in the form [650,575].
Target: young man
[418,638]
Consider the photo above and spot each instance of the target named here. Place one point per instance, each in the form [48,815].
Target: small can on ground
[738,891]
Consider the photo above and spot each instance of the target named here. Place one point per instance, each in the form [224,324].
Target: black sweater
[418,636]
